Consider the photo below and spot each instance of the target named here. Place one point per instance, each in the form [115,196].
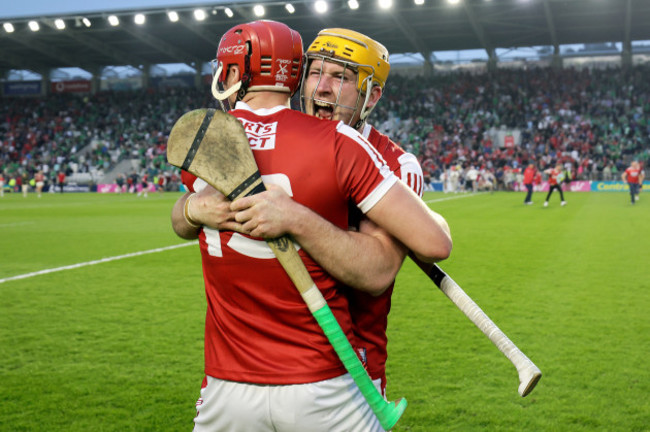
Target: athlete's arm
[367,260]
[405,216]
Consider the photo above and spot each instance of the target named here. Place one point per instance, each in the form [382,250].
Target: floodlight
[173,16]
[139,19]
[113,20]
[419,2]
[353,4]
[320,6]
[228,12]
[258,10]
[199,14]
[289,7]
[9,27]
[33,26]
[59,23]
[385,4]
[86,21]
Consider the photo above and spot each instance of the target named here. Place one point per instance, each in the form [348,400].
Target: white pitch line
[454,197]
[100,261]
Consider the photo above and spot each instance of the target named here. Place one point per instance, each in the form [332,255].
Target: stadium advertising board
[78,86]
[113,188]
[574,186]
[22,88]
[613,186]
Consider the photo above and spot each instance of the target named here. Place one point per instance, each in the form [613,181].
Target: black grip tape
[198,138]
[245,184]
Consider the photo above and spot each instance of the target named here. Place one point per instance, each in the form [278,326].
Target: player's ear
[375,95]
[233,76]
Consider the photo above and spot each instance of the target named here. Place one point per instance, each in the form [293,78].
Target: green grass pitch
[117,345]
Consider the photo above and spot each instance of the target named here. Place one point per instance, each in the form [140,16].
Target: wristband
[186,212]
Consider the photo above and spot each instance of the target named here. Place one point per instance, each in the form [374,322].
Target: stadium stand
[593,120]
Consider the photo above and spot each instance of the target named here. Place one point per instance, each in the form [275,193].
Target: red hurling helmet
[269,55]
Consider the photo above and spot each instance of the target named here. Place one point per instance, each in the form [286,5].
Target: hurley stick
[529,374]
[213,146]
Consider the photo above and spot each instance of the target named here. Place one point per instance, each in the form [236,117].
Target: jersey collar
[262,111]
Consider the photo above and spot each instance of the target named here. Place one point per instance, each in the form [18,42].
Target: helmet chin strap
[365,110]
[219,94]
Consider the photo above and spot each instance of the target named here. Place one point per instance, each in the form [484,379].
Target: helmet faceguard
[269,56]
[353,50]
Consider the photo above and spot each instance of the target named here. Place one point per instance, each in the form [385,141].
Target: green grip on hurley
[388,413]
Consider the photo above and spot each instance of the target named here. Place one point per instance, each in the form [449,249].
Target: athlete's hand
[211,208]
[267,214]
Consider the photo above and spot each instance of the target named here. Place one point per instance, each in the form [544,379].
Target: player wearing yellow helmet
[344,78]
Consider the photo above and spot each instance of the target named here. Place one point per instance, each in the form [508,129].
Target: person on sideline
[634,176]
[529,179]
[555,178]
[268,365]
[60,178]
[39,178]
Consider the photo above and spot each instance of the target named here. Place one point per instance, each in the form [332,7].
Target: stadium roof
[405,28]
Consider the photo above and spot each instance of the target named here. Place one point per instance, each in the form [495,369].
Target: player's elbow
[435,249]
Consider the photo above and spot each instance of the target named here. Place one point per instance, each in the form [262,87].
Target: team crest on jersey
[260,135]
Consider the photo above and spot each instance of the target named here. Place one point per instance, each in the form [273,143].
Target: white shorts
[334,405]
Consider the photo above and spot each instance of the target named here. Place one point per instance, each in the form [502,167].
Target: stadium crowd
[594,121]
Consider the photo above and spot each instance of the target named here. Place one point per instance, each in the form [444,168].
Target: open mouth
[323,110]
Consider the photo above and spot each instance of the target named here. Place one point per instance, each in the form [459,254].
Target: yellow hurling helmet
[368,55]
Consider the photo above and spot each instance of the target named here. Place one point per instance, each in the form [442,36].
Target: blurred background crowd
[593,121]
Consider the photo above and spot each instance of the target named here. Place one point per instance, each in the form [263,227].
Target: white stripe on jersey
[379,192]
[253,248]
[214,241]
[411,172]
[375,156]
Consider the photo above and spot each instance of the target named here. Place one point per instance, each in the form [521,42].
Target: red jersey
[258,329]
[529,175]
[370,313]
[632,175]
[553,175]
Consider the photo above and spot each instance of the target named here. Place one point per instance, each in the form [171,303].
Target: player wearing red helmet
[268,365]
[268,56]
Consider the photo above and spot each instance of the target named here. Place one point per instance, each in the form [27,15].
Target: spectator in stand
[555,178]
[634,177]
[2,184]
[529,180]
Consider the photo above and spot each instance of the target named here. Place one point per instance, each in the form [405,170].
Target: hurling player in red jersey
[555,178]
[268,365]
[634,176]
[340,84]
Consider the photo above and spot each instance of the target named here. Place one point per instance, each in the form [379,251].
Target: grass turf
[117,346]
